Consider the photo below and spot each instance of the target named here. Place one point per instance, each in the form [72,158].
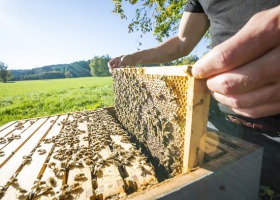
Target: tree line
[95,67]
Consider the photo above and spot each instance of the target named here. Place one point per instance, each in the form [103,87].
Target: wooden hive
[85,155]
[96,155]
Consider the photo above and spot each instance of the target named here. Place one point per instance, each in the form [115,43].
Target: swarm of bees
[153,108]
[74,148]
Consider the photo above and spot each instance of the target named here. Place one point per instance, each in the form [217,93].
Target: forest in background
[96,67]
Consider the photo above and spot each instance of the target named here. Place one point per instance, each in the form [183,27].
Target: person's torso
[227,17]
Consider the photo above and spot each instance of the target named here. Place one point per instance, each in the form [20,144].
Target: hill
[75,69]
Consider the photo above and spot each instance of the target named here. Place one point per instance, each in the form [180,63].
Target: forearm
[189,35]
[170,50]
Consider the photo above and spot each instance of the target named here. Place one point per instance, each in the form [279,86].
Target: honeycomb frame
[166,110]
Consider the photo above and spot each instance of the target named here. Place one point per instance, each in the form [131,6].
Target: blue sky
[35,33]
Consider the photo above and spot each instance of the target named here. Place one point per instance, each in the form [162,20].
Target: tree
[5,75]
[188,60]
[68,74]
[159,16]
[98,66]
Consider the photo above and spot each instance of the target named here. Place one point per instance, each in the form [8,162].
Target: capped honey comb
[166,110]
[153,108]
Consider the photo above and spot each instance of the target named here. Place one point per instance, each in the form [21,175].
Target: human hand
[244,71]
[121,61]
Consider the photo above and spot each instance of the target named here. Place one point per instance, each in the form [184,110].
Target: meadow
[29,99]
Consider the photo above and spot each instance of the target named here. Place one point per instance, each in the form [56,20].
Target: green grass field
[29,99]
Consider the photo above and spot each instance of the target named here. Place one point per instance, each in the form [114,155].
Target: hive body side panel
[196,123]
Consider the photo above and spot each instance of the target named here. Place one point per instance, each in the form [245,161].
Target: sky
[35,33]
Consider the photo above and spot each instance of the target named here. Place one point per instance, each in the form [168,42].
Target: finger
[260,72]
[110,66]
[245,46]
[260,96]
[122,62]
[265,110]
[114,63]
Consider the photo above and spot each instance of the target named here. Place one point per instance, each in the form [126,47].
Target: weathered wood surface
[54,158]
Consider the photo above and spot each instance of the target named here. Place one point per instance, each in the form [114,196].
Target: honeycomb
[152,108]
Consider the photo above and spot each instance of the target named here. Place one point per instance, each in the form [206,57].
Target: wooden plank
[9,137]
[49,171]
[16,160]
[6,126]
[198,99]
[109,180]
[11,128]
[163,70]
[29,173]
[84,173]
[14,146]
[140,173]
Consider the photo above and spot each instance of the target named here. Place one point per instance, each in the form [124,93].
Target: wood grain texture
[198,99]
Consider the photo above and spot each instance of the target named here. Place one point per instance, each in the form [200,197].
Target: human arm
[191,29]
[244,71]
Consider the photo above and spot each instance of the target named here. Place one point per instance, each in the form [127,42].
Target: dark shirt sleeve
[194,7]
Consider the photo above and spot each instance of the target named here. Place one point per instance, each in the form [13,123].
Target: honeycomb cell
[153,109]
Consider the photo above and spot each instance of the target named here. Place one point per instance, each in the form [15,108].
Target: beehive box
[96,155]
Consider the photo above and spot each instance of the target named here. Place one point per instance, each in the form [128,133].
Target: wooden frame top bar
[183,70]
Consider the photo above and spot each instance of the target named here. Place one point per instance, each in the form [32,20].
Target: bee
[16,137]
[26,159]
[22,190]
[126,162]
[52,181]
[142,167]
[2,140]
[52,165]
[13,181]
[38,184]
[89,161]
[79,176]
[2,153]
[11,138]
[41,151]
[175,166]
[64,187]
[3,189]
[63,164]
[47,141]
[58,172]
[94,183]
[45,190]
[19,195]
